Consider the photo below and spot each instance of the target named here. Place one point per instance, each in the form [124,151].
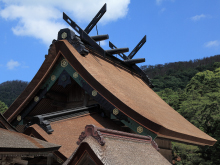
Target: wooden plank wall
[165,148]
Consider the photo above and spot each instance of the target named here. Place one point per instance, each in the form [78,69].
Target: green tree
[201,108]
[170,97]
[10,90]
[3,107]
[185,154]
[198,103]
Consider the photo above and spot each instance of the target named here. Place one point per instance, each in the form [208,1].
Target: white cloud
[159,2]
[163,10]
[42,19]
[212,44]
[198,17]
[12,64]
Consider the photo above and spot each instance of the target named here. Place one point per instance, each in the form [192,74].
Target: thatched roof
[121,87]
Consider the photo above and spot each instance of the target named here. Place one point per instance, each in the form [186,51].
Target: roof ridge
[99,134]
[44,120]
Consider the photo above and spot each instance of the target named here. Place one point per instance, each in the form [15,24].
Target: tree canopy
[3,107]
[199,103]
[10,90]
[177,75]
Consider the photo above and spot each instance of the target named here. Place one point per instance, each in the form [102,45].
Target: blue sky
[177,30]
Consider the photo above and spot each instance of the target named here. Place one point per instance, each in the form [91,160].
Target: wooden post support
[49,159]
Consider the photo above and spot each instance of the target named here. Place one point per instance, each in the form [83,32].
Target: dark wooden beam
[58,104]
[56,96]
[134,61]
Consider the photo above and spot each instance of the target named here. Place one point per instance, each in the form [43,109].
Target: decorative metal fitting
[36,98]
[19,118]
[139,129]
[59,160]
[53,77]
[63,35]
[75,75]
[115,111]
[94,93]
[64,63]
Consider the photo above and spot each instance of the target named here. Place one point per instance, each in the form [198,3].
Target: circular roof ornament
[59,160]
[139,129]
[19,118]
[36,98]
[115,111]
[63,35]
[53,77]
[94,93]
[64,63]
[75,75]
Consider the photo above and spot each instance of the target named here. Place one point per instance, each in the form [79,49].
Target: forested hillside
[10,90]
[177,75]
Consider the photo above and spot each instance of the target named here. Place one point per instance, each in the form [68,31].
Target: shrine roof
[116,148]
[66,132]
[121,87]
[12,141]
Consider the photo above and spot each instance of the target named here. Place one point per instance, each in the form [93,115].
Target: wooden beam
[56,96]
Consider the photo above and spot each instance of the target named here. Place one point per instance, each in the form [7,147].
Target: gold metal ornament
[115,111]
[53,77]
[59,160]
[63,35]
[139,129]
[19,118]
[36,98]
[94,93]
[64,63]
[75,75]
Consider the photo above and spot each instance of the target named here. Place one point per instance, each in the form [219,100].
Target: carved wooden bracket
[91,130]
[154,144]
[100,133]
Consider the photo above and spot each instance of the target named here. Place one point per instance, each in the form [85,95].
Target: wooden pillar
[49,159]
[86,99]
[165,148]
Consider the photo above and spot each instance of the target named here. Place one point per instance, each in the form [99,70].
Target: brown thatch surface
[14,141]
[124,89]
[66,132]
[122,151]
[133,97]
